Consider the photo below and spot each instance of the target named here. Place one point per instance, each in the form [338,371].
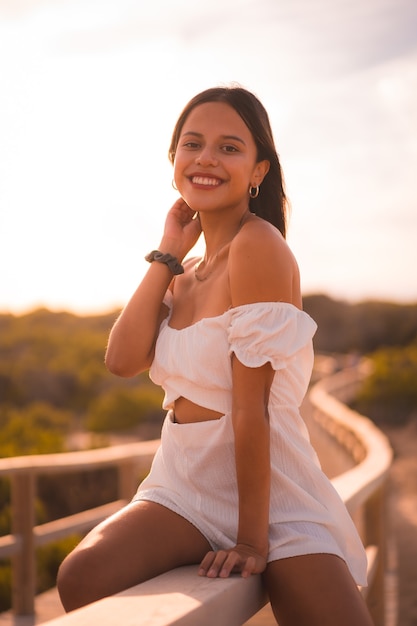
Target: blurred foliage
[38,428]
[118,408]
[67,494]
[53,383]
[389,395]
[52,375]
[51,357]
[387,334]
[5,585]
[363,327]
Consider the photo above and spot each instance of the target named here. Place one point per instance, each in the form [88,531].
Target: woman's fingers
[182,228]
[207,564]
[224,562]
[249,567]
[215,562]
[181,212]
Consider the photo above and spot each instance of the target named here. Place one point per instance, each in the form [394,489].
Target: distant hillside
[53,382]
[362,327]
[342,327]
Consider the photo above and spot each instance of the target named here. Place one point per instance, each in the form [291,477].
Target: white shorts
[194,475]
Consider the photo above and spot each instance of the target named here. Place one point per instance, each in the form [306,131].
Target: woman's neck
[220,232]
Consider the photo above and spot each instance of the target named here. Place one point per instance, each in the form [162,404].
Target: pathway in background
[402,515]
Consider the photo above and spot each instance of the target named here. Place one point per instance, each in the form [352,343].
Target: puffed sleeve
[269,331]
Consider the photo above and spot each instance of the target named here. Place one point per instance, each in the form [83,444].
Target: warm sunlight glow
[88,101]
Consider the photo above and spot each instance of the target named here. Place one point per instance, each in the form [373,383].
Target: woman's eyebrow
[234,138]
[224,137]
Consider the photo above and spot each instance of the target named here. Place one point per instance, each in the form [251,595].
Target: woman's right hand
[181,231]
[242,559]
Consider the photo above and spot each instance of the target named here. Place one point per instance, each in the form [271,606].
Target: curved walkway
[402,516]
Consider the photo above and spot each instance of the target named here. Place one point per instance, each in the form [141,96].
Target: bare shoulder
[262,267]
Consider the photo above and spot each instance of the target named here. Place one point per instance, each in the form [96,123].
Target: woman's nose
[206,157]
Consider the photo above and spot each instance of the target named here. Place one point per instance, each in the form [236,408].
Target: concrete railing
[180,597]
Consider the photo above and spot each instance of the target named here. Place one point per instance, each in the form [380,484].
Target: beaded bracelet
[171,261]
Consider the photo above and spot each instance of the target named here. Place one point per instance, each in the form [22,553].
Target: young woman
[235,485]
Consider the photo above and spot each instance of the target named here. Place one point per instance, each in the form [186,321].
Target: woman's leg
[315,590]
[139,542]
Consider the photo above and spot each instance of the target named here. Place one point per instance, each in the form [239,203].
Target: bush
[36,429]
[124,408]
[5,586]
[363,327]
[389,395]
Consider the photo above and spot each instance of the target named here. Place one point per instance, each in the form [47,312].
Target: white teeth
[201,180]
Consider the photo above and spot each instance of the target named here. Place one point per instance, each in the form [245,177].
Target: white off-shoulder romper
[193,472]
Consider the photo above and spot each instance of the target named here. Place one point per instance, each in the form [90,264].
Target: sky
[90,91]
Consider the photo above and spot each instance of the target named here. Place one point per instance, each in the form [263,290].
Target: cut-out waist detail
[187,412]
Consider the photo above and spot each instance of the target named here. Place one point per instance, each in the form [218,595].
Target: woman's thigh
[315,590]
[139,542]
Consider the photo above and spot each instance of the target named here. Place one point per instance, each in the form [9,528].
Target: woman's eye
[191,144]
[230,149]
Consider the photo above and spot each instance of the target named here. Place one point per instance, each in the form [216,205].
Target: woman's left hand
[240,559]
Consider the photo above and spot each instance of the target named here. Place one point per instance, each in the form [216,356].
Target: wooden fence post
[23,563]
[375,531]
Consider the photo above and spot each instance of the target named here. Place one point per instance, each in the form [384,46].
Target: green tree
[390,393]
[5,585]
[124,408]
[36,429]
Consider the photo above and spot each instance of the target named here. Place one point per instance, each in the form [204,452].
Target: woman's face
[216,159]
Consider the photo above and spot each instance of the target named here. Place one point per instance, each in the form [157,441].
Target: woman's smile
[205,182]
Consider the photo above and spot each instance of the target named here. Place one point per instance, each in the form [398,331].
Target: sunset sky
[90,91]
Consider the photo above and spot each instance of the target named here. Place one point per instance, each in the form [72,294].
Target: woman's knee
[141,541]
[78,579]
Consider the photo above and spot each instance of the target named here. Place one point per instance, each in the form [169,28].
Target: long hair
[271,203]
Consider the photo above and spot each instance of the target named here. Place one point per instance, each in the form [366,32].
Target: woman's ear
[261,170]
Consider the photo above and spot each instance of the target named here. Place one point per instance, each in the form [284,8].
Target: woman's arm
[132,339]
[251,429]
[261,269]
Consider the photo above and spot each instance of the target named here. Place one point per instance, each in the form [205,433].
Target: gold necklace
[201,279]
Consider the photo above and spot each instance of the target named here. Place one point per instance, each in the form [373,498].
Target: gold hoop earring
[254,191]
[173,185]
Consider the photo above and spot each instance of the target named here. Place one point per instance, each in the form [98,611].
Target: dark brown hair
[271,203]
